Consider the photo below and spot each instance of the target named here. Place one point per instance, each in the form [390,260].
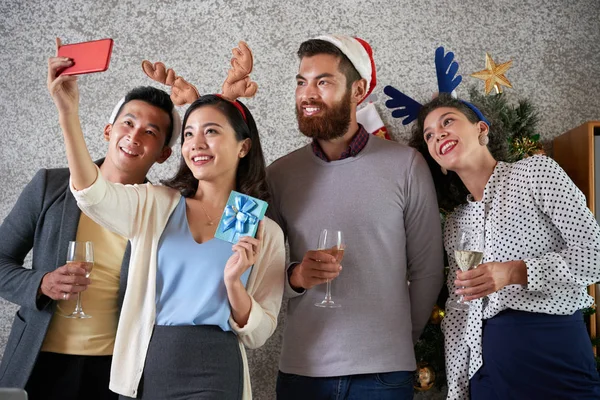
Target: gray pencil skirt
[192,362]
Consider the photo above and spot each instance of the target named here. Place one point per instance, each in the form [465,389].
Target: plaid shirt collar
[358,142]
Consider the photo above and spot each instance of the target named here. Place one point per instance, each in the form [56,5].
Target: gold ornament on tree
[524,147]
[437,315]
[424,377]
[493,75]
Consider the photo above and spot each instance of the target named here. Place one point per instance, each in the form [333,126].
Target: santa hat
[359,53]
[175,132]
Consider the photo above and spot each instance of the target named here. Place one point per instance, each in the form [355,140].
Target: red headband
[236,104]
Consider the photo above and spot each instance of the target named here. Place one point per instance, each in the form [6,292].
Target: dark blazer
[45,219]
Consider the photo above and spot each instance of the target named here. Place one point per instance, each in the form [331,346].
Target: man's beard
[332,123]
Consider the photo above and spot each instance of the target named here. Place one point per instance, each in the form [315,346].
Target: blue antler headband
[446,68]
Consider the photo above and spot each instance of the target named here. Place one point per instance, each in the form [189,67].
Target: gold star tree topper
[493,75]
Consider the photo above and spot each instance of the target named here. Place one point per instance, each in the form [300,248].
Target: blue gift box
[240,217]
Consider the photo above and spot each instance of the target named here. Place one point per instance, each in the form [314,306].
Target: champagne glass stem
[328,291]
[78,308]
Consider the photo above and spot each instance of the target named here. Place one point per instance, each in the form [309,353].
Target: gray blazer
[45,219]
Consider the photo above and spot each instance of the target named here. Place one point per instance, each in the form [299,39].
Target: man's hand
[65,281]
[316,268]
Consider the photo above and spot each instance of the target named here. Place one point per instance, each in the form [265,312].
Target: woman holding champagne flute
[522,335]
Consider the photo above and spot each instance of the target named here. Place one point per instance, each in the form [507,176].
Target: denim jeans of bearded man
[396,385]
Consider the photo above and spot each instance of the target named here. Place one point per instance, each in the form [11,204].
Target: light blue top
[189,280]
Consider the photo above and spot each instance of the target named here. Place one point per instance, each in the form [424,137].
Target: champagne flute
[331,242]
[81,252]
[468,255]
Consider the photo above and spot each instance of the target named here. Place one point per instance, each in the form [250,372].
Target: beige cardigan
[140,213]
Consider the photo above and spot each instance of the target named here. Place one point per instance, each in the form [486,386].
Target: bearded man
[381,196]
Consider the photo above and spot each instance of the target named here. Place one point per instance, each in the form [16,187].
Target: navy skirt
[536,356]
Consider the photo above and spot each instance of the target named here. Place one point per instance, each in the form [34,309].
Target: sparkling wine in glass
[81,252]
[331,242]
[468,255]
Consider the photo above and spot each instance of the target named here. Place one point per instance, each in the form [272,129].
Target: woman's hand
[489,278]
[62,88]
[65,93]
[246,252]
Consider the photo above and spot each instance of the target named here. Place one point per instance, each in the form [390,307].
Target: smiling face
[323,99]
[453,140]
[210,147]
[137,139]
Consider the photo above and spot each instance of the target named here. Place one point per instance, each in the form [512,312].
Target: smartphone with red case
[87,57]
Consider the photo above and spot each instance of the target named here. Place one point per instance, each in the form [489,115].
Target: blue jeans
[383,386]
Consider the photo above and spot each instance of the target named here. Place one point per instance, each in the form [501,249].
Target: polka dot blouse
[530,211]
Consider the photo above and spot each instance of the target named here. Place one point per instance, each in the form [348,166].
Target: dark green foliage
[430,349]
[588,311]
[520,121]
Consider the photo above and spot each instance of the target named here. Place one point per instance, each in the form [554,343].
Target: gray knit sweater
[384,202]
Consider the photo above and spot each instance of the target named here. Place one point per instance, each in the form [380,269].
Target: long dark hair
[451,191]
[250,177]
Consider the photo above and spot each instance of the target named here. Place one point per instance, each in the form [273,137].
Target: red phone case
[88,57]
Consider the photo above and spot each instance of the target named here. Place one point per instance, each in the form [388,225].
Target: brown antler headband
[182,92]
[237,84]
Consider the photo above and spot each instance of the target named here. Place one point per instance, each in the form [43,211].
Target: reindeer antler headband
[446,69]
[237,84]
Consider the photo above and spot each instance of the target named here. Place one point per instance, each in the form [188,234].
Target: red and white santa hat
[359,53]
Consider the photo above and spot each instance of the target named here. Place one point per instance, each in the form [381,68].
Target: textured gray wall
[555,45]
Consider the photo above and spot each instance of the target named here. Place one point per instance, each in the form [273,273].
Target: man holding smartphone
[381,196]
[51,356]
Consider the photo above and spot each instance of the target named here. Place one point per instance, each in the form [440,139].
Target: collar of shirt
[358,142]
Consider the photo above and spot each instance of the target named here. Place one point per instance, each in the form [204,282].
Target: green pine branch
[519,121]
[588,311]
[525,120]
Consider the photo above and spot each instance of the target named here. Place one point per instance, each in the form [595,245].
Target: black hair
[155,97]
[250,177]
[313,47]
[451,191]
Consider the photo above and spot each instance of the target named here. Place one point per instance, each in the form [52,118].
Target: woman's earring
[444,170]
[484,139]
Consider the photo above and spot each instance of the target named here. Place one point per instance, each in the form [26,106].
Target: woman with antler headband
[519,333]
[192,302]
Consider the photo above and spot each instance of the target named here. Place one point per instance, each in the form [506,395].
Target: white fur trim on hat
[369,118]
[357,55]
[176,121]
